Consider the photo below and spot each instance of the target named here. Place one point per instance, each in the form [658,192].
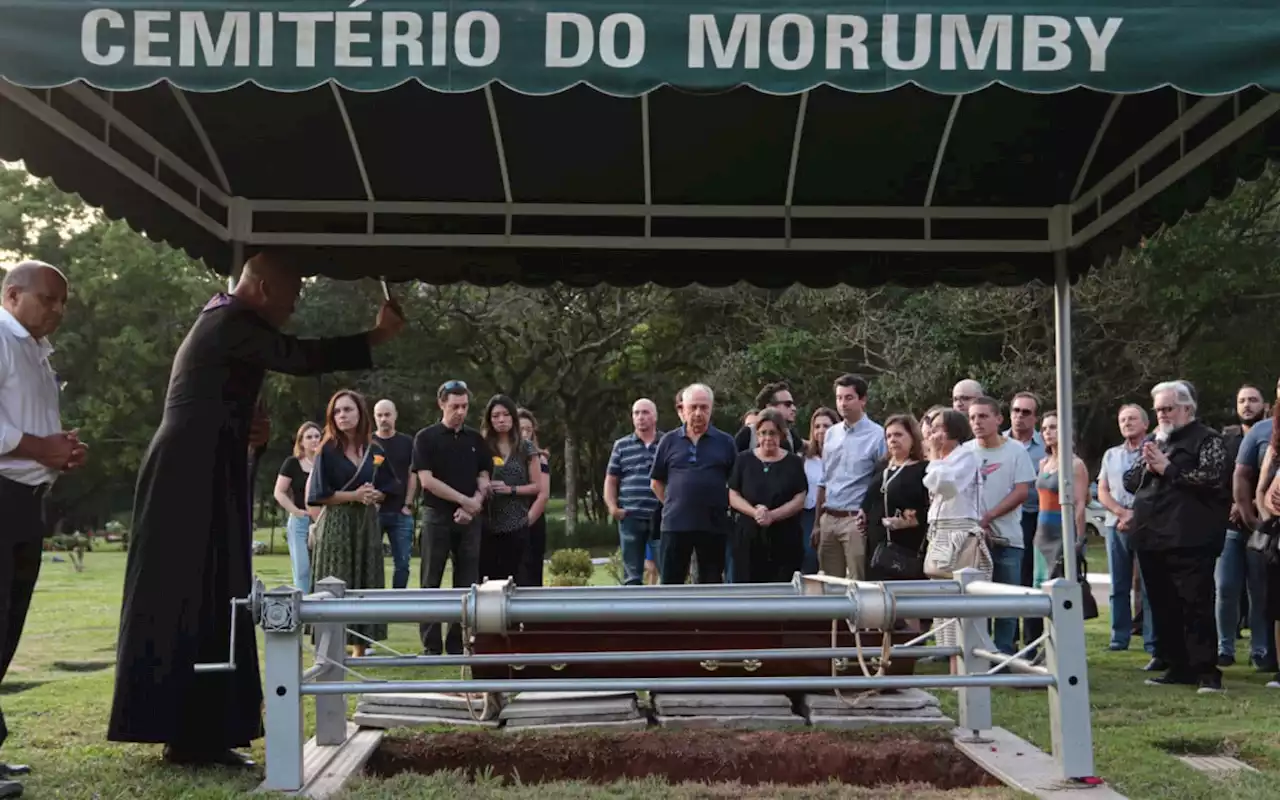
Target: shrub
[614,567]
[571,568]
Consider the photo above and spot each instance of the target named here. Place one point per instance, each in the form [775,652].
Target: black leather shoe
[208,758]
[1156,665]
[10,789]
[13,769]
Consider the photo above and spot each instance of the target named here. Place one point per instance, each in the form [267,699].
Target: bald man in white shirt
[34,449]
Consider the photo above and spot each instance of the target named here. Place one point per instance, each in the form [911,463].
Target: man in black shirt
[778,397]
[452,463]
[395,516]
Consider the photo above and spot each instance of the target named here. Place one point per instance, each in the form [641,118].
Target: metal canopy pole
[1066,415]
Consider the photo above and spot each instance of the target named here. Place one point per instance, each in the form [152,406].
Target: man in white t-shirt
[1006,476]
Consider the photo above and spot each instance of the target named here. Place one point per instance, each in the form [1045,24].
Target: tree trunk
[570,483]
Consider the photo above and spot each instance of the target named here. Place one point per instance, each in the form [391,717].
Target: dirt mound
[787,758]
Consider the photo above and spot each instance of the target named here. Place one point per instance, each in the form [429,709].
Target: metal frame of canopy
[239,229]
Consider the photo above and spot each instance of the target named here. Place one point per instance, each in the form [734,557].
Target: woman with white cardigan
[954,481]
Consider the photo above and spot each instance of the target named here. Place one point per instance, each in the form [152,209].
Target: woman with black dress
[291,494]
[896,505]
[767,488]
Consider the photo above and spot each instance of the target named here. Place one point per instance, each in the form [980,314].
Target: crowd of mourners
[1189,541]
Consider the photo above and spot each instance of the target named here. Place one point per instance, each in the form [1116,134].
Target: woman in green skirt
[348,480]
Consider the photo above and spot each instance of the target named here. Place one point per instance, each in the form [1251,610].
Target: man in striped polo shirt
[627,491]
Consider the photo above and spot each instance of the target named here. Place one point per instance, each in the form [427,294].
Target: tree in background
[1193,302]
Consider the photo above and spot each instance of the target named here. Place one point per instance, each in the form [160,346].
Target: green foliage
[589,534]
[614,567]
[570,568]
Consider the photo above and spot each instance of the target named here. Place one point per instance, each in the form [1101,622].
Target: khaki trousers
[842,548]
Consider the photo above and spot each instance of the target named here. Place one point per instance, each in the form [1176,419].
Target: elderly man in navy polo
[627,492]
[690,476]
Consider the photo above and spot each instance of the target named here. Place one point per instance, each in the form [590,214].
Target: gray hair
[1182,394]
[1142,412]
[697,387]
[22,275]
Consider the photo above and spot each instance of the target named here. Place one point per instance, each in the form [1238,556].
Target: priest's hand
[390,323]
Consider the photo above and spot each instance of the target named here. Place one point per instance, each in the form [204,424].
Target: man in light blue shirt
[850,452]
[1133,421]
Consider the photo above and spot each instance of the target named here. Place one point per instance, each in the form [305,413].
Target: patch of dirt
[756,757]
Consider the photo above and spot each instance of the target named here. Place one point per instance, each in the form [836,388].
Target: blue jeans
[1120,564]
[633,535]
[1006,567]
[1239,567]
[809,566]
[399,530]
[299,555]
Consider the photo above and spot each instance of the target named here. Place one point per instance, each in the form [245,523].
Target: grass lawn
[57,695]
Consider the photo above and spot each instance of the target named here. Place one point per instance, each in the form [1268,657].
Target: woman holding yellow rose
[348,481]
[513,485]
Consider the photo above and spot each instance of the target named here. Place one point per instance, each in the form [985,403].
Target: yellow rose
[377,460]
[497,461]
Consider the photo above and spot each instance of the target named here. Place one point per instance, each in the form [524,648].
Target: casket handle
[749,664]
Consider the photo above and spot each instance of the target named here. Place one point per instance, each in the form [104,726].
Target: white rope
[1043,637]
[359,635]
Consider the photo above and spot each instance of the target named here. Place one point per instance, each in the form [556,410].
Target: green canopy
[670,141]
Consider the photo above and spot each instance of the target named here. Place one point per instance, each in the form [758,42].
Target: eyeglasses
[1023,412]
[963,398]
[454,386]
[786,403]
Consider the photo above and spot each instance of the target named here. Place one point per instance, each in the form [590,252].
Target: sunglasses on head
[454,386]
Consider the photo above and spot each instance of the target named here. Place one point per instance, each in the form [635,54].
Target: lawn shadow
[82,666]
[17,687]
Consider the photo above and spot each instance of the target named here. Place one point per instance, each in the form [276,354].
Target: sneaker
[1210,684]
[1274,683]
[1156,665]
[1262,666]
[1170,678]
[1225,660]
[1116,647]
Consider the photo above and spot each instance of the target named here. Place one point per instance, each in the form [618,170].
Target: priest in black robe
[190,547]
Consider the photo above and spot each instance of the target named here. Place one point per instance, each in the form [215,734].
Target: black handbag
[1087,599]
[895,560]
[1266,540]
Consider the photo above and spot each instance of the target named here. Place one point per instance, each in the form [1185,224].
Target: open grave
[793,758]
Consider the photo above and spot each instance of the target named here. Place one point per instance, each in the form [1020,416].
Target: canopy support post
[1093,147]
[795,158]
[648,165]
[501,151]
[203,136]
[356,154]
[1059,234]
[937,162]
